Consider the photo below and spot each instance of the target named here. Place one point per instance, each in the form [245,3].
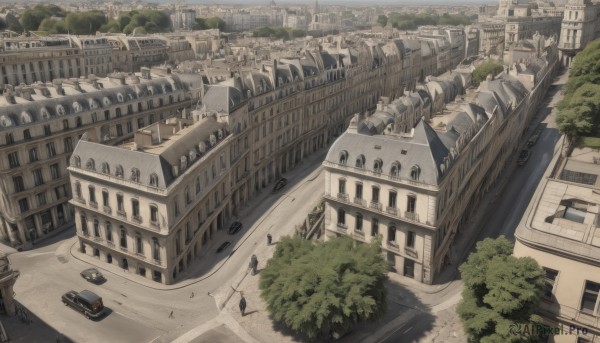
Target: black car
[223,246]
[280,184]
[235,227]
[523,157]
[86,302]
[93,275]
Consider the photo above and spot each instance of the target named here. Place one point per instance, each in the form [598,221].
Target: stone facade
[40,126]
[97,54]
[416,186]
[580,25]
[131,53]
[561,231]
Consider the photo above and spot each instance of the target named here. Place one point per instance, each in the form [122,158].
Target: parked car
[534,138]
[86,302]
[223,246]
[280,184]
[523,157]
[235,227]
[93,275]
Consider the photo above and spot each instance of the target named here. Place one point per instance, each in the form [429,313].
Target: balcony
[154,223]
[411,216]
[375,206]
[93,204]
[343,196]
[341,227]
[360,201]
[392,210]
[107,210]
[391,245]
[122,213]
[136,219]
[80,200]
[359,234]
[110,244]
[411,252]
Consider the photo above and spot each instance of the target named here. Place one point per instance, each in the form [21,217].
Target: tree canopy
[346,288]
[33,17]
[382,20]
[500,291]
[413,21]
[484,69]
[579,110]
[278,32]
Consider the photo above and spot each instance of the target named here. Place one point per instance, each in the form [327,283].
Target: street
[141,314]
[505,213]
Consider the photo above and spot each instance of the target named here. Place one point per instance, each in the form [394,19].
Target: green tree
[346,288]
[500,293]
[30,21]
[579,110]
[484,69]
[382,20]
[200,24]
[215,23]
[13,24]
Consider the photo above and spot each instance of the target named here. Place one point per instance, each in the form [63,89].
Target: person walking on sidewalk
[171,315]
[242,305]
[269,239]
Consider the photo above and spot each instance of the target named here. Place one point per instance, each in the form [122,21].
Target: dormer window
[395,170]
[154,180]
[76,161]
[135,175]
[91,165]
[377,165]
[183,163]
[415,172]
[343,157]
[360,161]
[105,168]
[119,171]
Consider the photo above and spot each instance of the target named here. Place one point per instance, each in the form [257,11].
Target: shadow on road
[30,328]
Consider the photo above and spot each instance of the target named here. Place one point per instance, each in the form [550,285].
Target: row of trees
[209,23]
[484,69]
[413,21]
[579,111]
[278,32]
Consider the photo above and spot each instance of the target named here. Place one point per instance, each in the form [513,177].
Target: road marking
[407,330]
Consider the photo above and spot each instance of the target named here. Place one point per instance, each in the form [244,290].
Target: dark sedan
[93,275]
[280,184]
[223,246]
[235,227]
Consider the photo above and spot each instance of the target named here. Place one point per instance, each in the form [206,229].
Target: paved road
[505,215]
[139,313]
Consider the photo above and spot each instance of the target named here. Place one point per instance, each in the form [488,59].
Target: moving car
[235,227]
[523,157]
[280,184]
[534,138]
[86,302]
[223,246]
[93,275]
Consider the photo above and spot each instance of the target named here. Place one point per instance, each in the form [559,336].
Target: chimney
[58,86]
[145,73]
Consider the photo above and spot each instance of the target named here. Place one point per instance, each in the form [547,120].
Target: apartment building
[31,59]
[416,186]
[96,54]
[131,53]
[40,126]
[580,25]
[560,230]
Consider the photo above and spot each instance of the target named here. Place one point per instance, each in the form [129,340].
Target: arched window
[76,161]
[119,171]
[90,164]
[341,219]
[395,170]
[392,233]
[123,238]
[84,227]
[155,249]
[105,168]
[154,180]
[343,157]
[360,161]
[188,198]
[198,188]
[135,175]
[78,189]
[415,172]
[108,229]
[359,222]
[139,244]
[96,228]
[378,165]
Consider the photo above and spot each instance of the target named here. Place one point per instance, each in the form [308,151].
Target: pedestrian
[269,239]
[192,295]
[242,305]
[171,315]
